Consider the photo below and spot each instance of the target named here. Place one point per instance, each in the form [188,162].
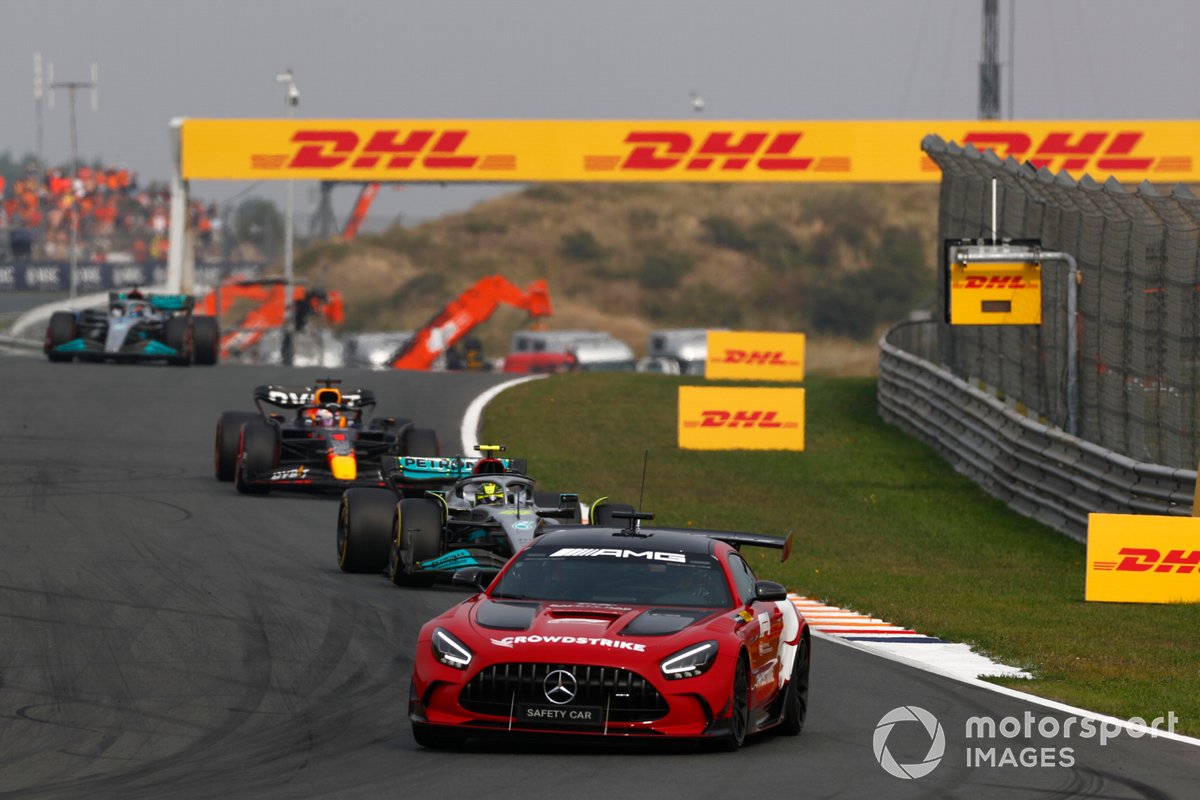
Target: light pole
[71,86]
[290,101]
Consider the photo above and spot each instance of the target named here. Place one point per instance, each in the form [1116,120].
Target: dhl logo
[658,151]
[1144,559]
[1110,151]
[996,282]
[386,149]
[773,358]
[739,419]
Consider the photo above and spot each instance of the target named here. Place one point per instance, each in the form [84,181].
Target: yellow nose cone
[344,468]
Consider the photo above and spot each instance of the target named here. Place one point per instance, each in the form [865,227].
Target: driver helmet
[325,418]
[488,493]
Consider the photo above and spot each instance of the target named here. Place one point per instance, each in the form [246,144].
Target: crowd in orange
[118,219]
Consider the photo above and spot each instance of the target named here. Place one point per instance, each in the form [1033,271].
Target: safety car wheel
[421,442]
[435,738]
[177,334]
[795,701]
[416,537]
[258,454]
[364,529]
[739,707]
[206,340]
[229,433]
[62,328]
[602,514]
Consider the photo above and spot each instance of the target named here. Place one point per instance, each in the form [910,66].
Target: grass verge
[882,525]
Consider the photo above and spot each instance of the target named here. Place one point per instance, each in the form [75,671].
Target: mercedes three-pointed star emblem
[560,687]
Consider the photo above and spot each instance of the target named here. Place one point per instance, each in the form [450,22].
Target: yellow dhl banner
[723,418]
[1133,558]
[743,355]
[996,293]
[670,150]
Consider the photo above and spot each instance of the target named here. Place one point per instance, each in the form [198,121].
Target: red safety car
[616,631]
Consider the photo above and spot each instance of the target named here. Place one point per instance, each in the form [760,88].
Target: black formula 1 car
[440,515]
[330,443]
[616,632]
[135,327]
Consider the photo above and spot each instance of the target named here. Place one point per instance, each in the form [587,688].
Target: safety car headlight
[449,650]
[690,661]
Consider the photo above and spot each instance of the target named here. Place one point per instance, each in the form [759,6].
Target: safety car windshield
[616,575]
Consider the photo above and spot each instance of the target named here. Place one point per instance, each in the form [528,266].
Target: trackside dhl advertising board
[996,293]
[1133,558]
[726,418]
[745,355]
[670,150]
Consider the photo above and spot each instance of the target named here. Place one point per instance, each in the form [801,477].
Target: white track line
[1014,693]
[469,432]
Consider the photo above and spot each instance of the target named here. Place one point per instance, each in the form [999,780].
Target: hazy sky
[568,59]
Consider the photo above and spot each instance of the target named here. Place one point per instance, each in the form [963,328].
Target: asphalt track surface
[163,636]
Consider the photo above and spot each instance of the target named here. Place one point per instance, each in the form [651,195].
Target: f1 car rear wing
[412,469]
[172,302]
[162,302]
[300,396]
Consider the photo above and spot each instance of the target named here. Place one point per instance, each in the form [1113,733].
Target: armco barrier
[1038,470]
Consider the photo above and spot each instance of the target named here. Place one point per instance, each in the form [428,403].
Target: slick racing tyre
[177,334]
[602,514]
[206,340]
[421,442]
[258,454]
[364,529]
[388,423]
[229,433]
[795,699]
[62,329]
[416,537]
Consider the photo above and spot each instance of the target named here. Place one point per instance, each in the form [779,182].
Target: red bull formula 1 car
[330,442]
[616,631]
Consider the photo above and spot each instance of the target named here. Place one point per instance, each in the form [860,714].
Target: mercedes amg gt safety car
[135,327]
[616,632]
[440,515]
[331,442]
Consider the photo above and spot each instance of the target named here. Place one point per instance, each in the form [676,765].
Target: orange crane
[466,311]
[361,206]
[268,309]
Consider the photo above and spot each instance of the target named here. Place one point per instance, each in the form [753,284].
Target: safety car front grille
[627,695]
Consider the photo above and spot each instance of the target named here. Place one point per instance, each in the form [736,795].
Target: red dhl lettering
[996,282]
[747,418]
[390,149]
[720,150]
[1145,559]
[1110,151]
[773,358]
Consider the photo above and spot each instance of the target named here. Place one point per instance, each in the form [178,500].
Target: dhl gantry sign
[1141,558]
[725,418]
[669,150]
